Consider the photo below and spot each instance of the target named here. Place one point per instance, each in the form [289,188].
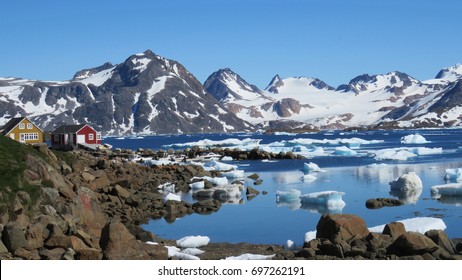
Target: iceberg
[226,158]
[193,241]
[454,189]
[453,175]
[311,167]
[345,151]
[245,144]
[413,139]
[329,201]
[290,195]
[393,154]
[408,181]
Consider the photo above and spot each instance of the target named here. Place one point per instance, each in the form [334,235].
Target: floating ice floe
[345,151]
[290,195]
[244,144]
[250,257]
[311,167]
[413,139]
[453,175]
[405,153]
[323,202]
[219,181]
[308,178]
[172,196]
[233,174]
[218,166]
[454,189]
[193,241]
[408,181]
[419,224]
[339,141]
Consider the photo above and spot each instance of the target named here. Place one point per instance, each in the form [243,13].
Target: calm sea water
[263,220]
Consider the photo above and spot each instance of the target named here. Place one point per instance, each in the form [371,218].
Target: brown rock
[26,254]
[337,227]
[394,229]
[122,192]
[89,254]
[252,192]
[13,237]
[35,236]
[412,243]
[51,254]
[87,177]
[442,240]
[118,243]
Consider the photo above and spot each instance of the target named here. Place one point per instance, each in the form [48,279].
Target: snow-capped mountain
[394,99]
[145,94]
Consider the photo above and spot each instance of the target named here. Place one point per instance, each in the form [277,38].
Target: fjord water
[360,177]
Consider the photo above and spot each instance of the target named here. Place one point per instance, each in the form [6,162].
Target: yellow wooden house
[22,130]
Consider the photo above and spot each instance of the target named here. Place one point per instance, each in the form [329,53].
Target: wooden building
[22,130]
[73,136]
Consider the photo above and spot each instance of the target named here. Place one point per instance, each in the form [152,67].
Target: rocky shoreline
[92,206]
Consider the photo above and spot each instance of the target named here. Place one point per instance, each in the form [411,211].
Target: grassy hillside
[12,167]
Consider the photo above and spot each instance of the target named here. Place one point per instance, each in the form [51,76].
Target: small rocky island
[80,205]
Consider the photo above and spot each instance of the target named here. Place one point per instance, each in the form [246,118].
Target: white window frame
[98,136]
[29,126]
[91,137]
[22,126]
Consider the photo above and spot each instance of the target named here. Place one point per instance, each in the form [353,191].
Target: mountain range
[149,94]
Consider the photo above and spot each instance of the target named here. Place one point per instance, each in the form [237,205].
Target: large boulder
[394,229]
[119,244]
[13,237]
[442,240]
[337,227]
[412,243]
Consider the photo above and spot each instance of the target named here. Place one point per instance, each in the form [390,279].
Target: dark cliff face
[144,94]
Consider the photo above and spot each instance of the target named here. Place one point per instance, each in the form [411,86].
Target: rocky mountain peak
[450,73]
[275,83]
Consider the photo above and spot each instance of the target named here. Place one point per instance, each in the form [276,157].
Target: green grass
[12,167]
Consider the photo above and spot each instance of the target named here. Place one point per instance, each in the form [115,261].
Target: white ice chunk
[218,166]
[227,159]
[250,257]
[219,181]
[453,175]
[172,196]
[233,174]
[345,151]
[393,154]
[192,251]
[311,167]
[454,189]
[408,181]
[419,224]
[176,253]
[422,151]
[414,139]
[290,245]
[330,199]
[193,241]
[289,195]
[197,185]
[308,178]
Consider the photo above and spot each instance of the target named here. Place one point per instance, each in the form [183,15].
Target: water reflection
[409,196]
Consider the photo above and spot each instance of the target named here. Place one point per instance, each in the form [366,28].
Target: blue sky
[333,40]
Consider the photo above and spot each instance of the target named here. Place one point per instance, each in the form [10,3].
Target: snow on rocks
[418,224]
[454,189]
[408,181]
[193,241]
[175,252]
[413,139]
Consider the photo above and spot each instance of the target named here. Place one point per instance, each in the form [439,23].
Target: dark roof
[11,124]
[64,129]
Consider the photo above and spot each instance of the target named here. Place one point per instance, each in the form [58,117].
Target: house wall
[87,131]
[31,133]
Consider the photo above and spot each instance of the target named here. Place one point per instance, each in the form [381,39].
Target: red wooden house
[75,136]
